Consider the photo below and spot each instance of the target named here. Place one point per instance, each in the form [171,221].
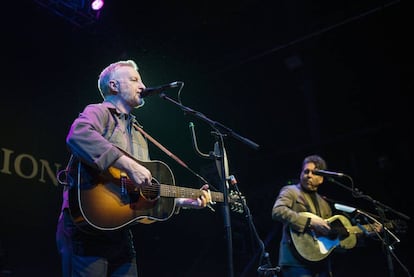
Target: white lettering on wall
[40,169]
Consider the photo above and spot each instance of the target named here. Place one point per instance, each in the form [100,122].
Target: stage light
[81,13]
[97,5]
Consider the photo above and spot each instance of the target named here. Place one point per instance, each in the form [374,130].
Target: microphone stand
[381,208]
[219,155]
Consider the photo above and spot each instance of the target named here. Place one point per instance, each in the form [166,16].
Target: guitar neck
[164,190]
[183,192]
[357,229]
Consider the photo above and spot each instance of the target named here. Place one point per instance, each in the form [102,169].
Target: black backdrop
[295,77]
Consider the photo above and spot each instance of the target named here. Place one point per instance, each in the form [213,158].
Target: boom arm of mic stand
[216,125]
[236,136]
[376,221]
[381,209]
[375,202]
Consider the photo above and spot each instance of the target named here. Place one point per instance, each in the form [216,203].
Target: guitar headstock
[236,201]
[396,225]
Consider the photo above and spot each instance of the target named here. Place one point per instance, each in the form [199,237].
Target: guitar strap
[160,146]
[63,179]
[166,151]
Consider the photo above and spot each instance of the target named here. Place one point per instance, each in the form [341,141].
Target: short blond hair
[107,74]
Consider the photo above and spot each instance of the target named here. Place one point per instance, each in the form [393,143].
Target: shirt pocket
[118,137]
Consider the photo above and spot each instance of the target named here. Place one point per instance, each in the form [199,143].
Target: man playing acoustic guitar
[307,219]
[110,183]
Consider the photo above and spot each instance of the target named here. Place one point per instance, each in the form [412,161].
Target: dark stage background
[295,77]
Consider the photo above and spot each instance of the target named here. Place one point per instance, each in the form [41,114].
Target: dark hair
[317,160]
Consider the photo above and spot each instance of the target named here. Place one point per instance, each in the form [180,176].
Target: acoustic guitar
[113,201]
[343,235]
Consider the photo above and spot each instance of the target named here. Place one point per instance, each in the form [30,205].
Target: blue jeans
[96,254]
[98,267]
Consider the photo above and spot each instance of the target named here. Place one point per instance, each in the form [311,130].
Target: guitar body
[316,248]
[110,201]
[104,206]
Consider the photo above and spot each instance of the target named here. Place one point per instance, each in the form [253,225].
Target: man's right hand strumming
[139,175]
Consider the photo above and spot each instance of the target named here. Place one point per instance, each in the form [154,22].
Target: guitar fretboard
[174,191]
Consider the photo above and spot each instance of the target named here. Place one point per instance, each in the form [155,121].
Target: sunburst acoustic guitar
[112,201]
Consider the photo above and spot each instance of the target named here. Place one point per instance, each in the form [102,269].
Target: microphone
[156,90]
[327,173]
[344,208]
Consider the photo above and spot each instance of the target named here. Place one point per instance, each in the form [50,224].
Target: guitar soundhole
[151,193]
[338,230]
